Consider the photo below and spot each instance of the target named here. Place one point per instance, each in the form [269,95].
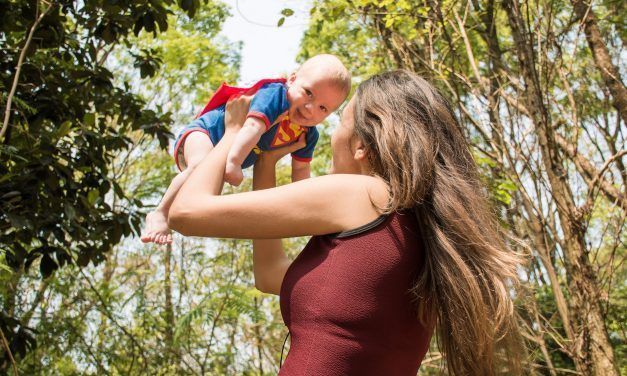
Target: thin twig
[599,176]
[18,68]
[105,310]
[6,346]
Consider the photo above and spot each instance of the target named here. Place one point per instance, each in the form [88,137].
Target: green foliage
[476,66]
[335,28]
[70,119]
[85,154]
[285,13]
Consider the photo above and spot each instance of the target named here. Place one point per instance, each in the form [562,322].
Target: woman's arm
[270,263]
[320,205]
[300,170]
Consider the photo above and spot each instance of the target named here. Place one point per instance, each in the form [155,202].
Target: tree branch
[590,173]
[601,55]
[18,68]
[8,349]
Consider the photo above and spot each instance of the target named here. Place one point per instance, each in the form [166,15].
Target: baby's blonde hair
[333,68]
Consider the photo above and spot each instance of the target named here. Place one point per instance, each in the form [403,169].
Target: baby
[280,112]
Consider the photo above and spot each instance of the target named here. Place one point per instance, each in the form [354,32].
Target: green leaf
[17,221]
[186,5]
[287,12]
[508,185]
[47,266]
[70,213]
[64,129]
[6,268]
[10,195]
[281,21]
[92,196]
[89,119]
[82,259]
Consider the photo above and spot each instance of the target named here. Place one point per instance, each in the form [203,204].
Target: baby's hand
[233,174]
[236,111]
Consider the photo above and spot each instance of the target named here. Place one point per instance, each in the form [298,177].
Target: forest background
[92,91]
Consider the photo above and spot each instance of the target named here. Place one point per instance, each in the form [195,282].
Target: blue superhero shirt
[270,105]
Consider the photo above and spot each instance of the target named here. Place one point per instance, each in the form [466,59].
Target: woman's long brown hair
[416,145]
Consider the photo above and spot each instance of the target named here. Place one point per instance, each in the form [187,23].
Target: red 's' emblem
[286,133]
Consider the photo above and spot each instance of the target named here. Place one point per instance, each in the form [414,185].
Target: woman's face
[343,143]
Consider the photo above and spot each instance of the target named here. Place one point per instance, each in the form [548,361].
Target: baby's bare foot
[156,229]
[233,174]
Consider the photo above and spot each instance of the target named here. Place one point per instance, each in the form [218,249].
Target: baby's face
[312,97]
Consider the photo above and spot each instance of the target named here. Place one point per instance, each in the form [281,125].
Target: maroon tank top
[347,305]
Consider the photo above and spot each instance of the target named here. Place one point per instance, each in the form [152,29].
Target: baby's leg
[196,146]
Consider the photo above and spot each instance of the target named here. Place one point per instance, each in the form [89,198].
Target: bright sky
[267,50]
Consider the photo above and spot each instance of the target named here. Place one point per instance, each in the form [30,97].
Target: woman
[403,240]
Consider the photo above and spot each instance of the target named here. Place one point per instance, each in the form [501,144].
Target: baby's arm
[300,170]
[244,142]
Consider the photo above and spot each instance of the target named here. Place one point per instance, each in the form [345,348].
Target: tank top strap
[361,229]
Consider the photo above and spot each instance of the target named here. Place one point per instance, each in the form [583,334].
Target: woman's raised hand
[274,155]
[236,111]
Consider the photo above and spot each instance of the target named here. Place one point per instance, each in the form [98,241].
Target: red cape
[224,92]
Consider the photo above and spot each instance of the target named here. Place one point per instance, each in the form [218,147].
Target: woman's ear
[359,153]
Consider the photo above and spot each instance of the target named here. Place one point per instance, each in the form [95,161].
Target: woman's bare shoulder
[366,189]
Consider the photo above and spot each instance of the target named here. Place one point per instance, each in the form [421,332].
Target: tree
[544,112]
[66,120]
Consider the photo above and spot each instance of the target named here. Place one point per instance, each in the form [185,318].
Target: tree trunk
[11,291]
[540,242]
[172,353]
[601,55]
[258,336]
